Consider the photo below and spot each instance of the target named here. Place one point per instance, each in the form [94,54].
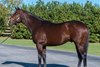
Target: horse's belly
[57,40]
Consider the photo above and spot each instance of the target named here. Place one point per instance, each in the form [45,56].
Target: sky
[68,1]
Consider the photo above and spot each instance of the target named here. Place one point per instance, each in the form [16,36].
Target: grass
[19,42]
[94,48]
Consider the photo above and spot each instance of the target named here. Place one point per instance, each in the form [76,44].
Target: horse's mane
[39,18]
[33,15]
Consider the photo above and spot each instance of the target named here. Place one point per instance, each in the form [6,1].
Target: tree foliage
[11,4]
[57,12]
[3,17]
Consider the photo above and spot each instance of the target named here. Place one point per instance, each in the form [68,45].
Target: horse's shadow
[32,64]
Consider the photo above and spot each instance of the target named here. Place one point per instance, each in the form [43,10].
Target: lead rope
[4,40]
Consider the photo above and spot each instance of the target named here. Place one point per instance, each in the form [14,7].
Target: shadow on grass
[32,64]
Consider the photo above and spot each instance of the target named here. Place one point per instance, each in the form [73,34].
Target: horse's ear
[17,8]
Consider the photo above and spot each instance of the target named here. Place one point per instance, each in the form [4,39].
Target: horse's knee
[39,48]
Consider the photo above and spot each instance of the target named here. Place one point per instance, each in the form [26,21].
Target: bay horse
[45,33]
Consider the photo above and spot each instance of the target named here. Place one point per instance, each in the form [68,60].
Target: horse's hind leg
[79,56]
[82,54]
[85,54]
[85,59]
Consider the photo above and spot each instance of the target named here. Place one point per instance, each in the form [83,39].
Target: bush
[20,32]
[94,38]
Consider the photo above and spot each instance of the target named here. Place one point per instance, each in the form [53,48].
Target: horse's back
[56,34]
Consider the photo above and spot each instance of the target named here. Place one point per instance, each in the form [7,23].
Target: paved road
[15,56]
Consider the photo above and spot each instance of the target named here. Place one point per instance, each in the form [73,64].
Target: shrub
[20,32]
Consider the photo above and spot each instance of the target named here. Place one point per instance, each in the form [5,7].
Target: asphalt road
[16,56]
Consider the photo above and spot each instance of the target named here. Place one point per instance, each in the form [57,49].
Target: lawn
[94,48]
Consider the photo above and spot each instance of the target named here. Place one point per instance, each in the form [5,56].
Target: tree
[3,17]
[11,4]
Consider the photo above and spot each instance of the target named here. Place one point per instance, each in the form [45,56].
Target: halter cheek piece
[17,18]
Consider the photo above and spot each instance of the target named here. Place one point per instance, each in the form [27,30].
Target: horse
[45,33]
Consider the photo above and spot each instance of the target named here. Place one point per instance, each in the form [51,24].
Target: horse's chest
[39,37]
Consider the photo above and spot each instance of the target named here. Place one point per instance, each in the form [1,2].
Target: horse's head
[16,17]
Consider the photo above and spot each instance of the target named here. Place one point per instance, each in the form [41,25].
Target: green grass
[94,48]
[19,42]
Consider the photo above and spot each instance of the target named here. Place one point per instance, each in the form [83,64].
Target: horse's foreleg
[39,49]
[39,60]
[44,56]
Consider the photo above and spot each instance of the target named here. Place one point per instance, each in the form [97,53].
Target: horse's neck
[31,22]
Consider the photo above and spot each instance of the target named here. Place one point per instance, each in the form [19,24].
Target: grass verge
[94,48]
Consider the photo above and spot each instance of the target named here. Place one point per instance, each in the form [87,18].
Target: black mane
[33,15]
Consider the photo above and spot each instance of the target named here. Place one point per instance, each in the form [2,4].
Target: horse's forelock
[17,8]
